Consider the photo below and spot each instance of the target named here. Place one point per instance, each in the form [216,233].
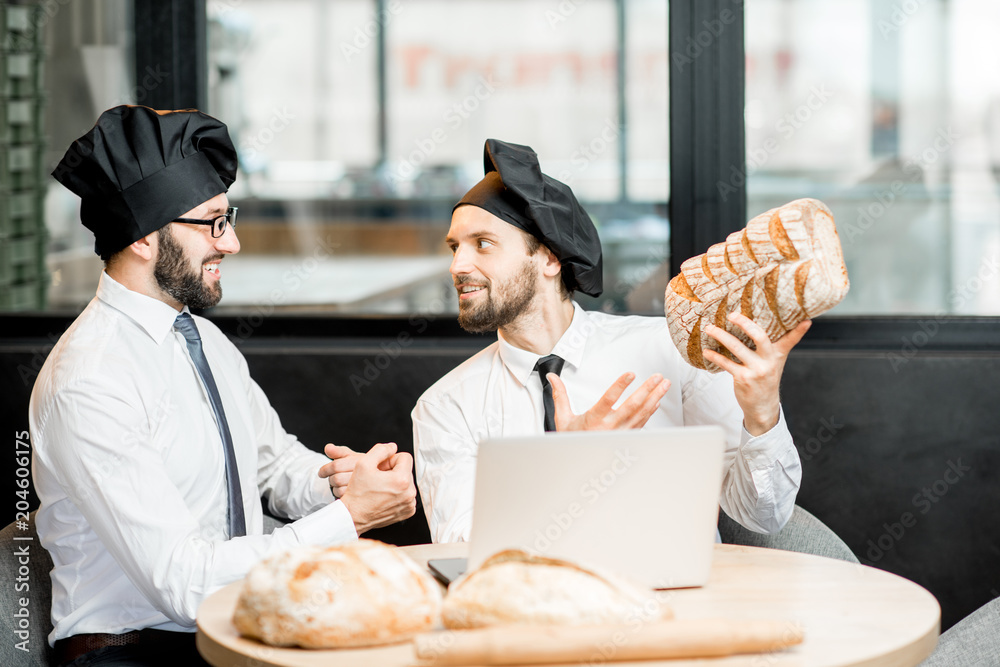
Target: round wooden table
[852,615]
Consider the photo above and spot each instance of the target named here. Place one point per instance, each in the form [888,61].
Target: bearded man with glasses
[153,446]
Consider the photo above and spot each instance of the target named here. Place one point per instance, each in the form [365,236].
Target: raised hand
[634,412]
[757,379]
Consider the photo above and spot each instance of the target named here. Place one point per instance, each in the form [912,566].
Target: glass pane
[350,164]
[345,196]
[88,66]
[890,113]
[297,94]
[638,282]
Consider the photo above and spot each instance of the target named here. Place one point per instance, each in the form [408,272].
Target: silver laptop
[642,504]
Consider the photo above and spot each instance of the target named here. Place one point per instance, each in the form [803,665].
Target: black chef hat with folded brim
[138,169]
[516,191]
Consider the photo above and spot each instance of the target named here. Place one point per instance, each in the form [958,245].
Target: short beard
[174,276]
[502,306]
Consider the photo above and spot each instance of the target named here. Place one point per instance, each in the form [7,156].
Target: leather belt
[69,649]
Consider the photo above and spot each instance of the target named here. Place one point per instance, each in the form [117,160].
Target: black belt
[69,649]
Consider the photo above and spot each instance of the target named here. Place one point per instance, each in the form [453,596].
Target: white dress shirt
[130,470]
[497,393]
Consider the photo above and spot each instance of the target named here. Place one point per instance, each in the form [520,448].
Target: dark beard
[502,306]
[175,277]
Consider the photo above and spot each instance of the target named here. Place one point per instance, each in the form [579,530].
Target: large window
[85,65]
[889,112]
[360,123]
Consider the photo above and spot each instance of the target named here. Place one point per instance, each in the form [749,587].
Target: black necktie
[544,366]
[186,326]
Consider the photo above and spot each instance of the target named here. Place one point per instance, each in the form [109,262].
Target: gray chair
[272,522]
[803,533]
[38,595]
[975,640]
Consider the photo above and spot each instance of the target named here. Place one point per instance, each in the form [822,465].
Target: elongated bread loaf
[589,644]
[517,588]
[784,267]
[358,594]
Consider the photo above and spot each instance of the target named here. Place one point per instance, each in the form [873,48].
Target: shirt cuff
[320,491]
[327,526]
[762,450]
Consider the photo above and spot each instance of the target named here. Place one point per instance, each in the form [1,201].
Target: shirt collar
[153,316]
[570,346]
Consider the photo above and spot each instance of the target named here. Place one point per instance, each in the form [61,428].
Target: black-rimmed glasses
[218,224]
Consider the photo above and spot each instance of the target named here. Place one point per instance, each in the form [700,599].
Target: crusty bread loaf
[786,266]
[517,588]
[359,594]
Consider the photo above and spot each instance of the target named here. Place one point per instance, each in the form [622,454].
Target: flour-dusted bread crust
[517,588]
[786,266]
[359,594]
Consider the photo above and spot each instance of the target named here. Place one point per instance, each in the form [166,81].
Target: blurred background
[361,122]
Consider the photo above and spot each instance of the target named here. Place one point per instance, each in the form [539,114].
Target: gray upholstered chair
[803,533]
[975,640]
[270,523]
[38,595]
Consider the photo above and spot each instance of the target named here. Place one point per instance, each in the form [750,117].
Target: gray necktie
[186,326]
[550,364]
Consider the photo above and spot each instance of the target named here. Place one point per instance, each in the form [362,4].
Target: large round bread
[516,588]
[786,266]
[359,594]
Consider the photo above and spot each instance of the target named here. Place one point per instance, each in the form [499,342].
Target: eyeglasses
[218,224]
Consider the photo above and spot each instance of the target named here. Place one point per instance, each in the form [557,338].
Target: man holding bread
[153,445]
[522,244]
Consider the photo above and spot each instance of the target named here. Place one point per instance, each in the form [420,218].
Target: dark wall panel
[355,398]
[902,460]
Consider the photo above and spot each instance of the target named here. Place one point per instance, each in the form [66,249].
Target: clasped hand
[376,487]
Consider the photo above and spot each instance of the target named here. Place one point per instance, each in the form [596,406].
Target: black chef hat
[137,169]
[516,191]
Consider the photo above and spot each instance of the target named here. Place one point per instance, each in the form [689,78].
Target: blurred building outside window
[345,201]
[889,111]
[354,147]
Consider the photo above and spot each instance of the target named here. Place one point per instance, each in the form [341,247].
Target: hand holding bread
[785,267]
[757,375]
[745,303]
